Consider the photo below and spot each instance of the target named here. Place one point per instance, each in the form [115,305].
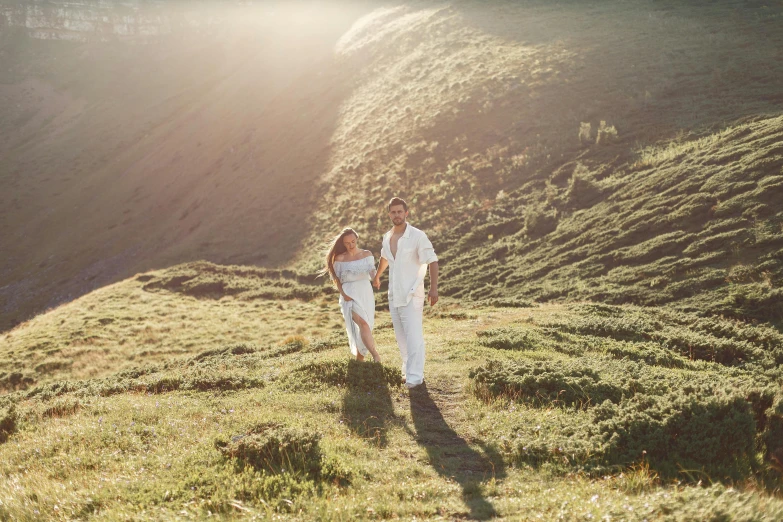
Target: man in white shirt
[408,252]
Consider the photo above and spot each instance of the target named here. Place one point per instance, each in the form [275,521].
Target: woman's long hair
[334,248]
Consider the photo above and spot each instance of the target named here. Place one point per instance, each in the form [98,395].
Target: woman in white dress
[352,269]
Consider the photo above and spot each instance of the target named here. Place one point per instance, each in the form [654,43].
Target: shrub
[62,407]
[276,449]
[539,221]
[566,383]
[701,430]
[772,436]
[345,373]
[582,190]
[15,380]
[754,301]
[237,349]
[509,303]
[509,339]
[605,134]
[7,422]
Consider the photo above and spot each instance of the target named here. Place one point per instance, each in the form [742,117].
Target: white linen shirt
[407,270]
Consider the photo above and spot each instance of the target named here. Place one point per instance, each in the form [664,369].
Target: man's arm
[433,295]
[382,264]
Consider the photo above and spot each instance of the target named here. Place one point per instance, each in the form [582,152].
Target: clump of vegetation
[539,220]
[509,339]
[772,437]
[208,280]
[583,191]
[15,380]
[275,449]
[7,422]
[345,373]
[509,302]
[62,407]
[563,383]
[693,429]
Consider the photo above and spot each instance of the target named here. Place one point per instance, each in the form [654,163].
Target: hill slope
[251,144]
[176,393]
[695,223]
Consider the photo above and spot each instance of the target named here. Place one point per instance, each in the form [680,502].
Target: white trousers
[409,331]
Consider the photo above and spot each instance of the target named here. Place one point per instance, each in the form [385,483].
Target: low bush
[275,449]
[7,422]
[345,373]
[511,302]
[697,430]
[62,407]
[15,380]
[582,190]
[564,383]
[772,436]
[509,339]
[237,349]
[539,221]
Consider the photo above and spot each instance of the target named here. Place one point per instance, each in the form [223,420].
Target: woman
[351,269]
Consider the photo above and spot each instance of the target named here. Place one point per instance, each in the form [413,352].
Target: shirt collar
[406,234]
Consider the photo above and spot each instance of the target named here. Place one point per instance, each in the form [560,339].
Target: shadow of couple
[368,411]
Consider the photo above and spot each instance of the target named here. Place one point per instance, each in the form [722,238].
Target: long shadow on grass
[452,457]
[367,405]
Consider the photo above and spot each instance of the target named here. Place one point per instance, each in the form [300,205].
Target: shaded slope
[211,146]
[121,157]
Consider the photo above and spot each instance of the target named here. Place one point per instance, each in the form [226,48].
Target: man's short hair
[398,201]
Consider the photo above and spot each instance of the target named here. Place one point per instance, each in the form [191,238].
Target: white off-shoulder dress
[355,277]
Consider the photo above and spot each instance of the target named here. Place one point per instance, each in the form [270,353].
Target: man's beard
[398,221]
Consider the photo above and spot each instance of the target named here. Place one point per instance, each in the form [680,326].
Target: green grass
[165,316]
[604,203]
[293,428]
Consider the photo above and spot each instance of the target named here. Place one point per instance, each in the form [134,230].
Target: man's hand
[377,283]
[433,296]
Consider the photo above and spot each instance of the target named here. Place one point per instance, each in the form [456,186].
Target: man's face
[398,214]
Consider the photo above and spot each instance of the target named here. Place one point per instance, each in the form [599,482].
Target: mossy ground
[127,446]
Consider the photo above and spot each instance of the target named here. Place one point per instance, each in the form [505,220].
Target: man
[408,252]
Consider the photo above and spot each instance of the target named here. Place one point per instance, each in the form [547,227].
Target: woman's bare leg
[359,357]
[367,338]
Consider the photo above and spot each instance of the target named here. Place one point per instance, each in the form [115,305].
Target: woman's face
[350,242]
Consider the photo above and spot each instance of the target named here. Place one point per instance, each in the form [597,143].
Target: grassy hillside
[694,223]
[602,182]
[570,411]
[251,142]
[163,316]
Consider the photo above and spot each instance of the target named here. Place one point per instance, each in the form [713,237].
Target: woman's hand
[346,297]
[377,282]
